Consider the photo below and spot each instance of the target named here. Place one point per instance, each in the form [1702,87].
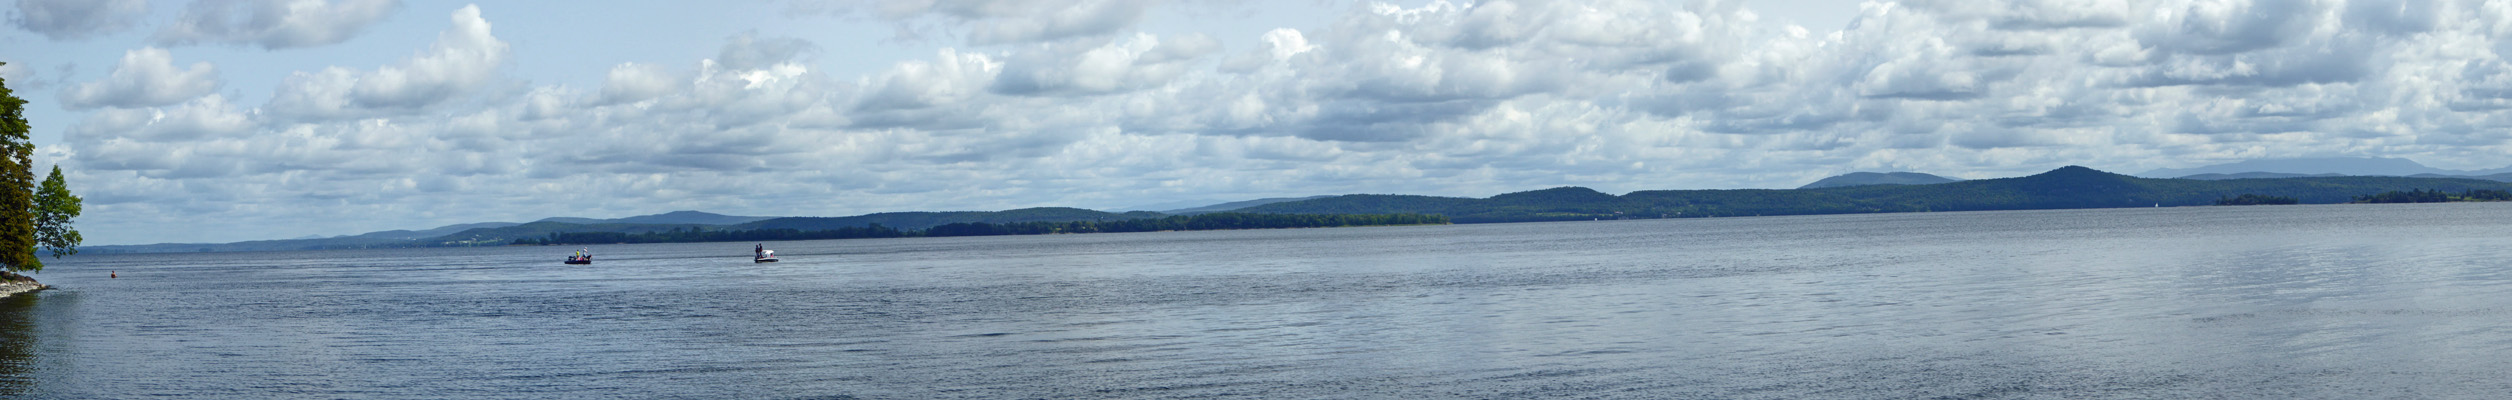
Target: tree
[17,181]
[55,207]
[19,212]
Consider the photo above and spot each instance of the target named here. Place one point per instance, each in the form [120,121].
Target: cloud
[463,57]
[994,22]
[1442,98]
[748,51]
[274,24]
[2029,15]
[1143,61]
[952,77]
[634,82]
[20,77]
[2226,27]
[64,20]
[145,77]
[210,116]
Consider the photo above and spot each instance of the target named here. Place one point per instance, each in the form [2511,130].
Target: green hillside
[922,220]
[503,235]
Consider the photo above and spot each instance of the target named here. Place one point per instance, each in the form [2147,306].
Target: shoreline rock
[12,284]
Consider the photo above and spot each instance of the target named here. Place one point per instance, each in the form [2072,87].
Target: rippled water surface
[2243,302]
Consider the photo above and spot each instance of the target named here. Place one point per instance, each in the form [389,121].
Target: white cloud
[463,58]
[748,51]
[1425,98]
[78,19]
[634,82]
[274,24]
[950,78]
[145,77]
[19,77]
[207,117]
[992,22]
[1143,61]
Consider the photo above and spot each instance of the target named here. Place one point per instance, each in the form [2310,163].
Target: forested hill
[910,221]
[490,234]
[922,220]
[2063,188]
[2070,187]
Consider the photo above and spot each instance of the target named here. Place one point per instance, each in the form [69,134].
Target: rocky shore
[11,284]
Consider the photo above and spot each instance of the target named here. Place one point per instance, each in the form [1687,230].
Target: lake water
[2349,301]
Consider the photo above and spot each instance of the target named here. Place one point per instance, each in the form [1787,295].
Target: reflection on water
[17,344]
[2208,302]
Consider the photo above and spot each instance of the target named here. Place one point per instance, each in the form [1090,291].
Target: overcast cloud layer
[1072,103]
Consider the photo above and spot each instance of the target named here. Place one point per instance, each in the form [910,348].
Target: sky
[231,120]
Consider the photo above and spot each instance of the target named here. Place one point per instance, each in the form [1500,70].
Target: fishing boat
[580,258]
[764,256]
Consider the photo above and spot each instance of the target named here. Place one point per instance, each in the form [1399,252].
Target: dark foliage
[30,217]
[695,234]
[2486,195]
[922,220]
[1200,222]
[2434,196]
[2247,199]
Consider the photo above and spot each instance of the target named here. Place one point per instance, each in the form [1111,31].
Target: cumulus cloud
[950,78]
[1069,106]
[78,19]
[146,77]
[208,117]
[634,82]
[274,24]
[991,22]
[748,51]
[20,77]
[1140,62]
[463,57]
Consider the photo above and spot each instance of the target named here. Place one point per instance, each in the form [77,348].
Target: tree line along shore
[2063,188]
[1199,222]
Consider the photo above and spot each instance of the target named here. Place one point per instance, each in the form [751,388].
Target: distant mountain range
[2063,188]
[675,217]
[498,233]
[2299,167]
[681,220]
[1878,178]
[2254,175]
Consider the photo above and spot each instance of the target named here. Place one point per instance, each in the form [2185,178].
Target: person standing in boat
[760,250]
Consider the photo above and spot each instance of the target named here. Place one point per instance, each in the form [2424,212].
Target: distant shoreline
[2071,187]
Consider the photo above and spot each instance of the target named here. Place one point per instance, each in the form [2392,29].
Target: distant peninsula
[2064,188]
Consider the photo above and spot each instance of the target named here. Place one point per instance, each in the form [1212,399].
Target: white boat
[764,256]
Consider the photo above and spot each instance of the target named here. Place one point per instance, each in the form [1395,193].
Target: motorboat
[581,258]
[764,256]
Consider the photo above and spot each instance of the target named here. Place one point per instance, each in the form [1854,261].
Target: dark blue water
[2212,302]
